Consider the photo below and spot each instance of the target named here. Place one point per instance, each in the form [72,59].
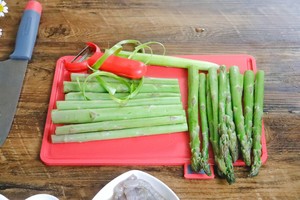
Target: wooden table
[267,30]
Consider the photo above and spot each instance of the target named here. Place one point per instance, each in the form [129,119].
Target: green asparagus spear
[241,84]
[78,96]
[236,88]
[119,124]
[248,102]
[222,94]
[214,138]
[193,122]
[213,132]
[204,125]
[224,138]
[119,87]
[257,122]
[213,82]
[73,105]
[123,133]
[103,114]
[233,143]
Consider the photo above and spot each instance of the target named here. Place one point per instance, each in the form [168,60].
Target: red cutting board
[164,149]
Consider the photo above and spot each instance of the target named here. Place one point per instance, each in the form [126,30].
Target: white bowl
[42,197]
[107,191]
[35,197]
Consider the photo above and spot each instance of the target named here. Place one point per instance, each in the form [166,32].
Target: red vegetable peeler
[88,56]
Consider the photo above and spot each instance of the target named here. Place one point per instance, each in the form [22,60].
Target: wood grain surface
[268,30]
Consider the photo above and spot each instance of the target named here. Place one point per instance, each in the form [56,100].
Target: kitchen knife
[12,71]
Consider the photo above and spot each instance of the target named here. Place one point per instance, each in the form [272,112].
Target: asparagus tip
[255,169]
[205,166]
[230,179]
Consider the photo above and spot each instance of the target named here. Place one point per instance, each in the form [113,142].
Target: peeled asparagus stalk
[96,87]
[123,133]
[147,80]
[78,96]
[73,105]
[120,124]
[169,61]
[102,114]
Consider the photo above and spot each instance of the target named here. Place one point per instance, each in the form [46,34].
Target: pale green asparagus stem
[224,138]
[193,122]
[248,102]
[233,143]
[96,87]
[73,105]
[147,80]
[77,96]
[238,113]
[103,114]
[169,61]
[204,124]
[257,122]
[81,77]
[120,124]
[117,134]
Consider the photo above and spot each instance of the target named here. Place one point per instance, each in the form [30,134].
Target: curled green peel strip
[134,87]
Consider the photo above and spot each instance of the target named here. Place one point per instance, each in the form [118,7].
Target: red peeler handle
[120,66]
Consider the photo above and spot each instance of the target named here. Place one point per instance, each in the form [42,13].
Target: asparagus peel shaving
[112,51]
[103,86]
[150,58]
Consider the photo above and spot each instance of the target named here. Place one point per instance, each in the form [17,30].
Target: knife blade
[12,71]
